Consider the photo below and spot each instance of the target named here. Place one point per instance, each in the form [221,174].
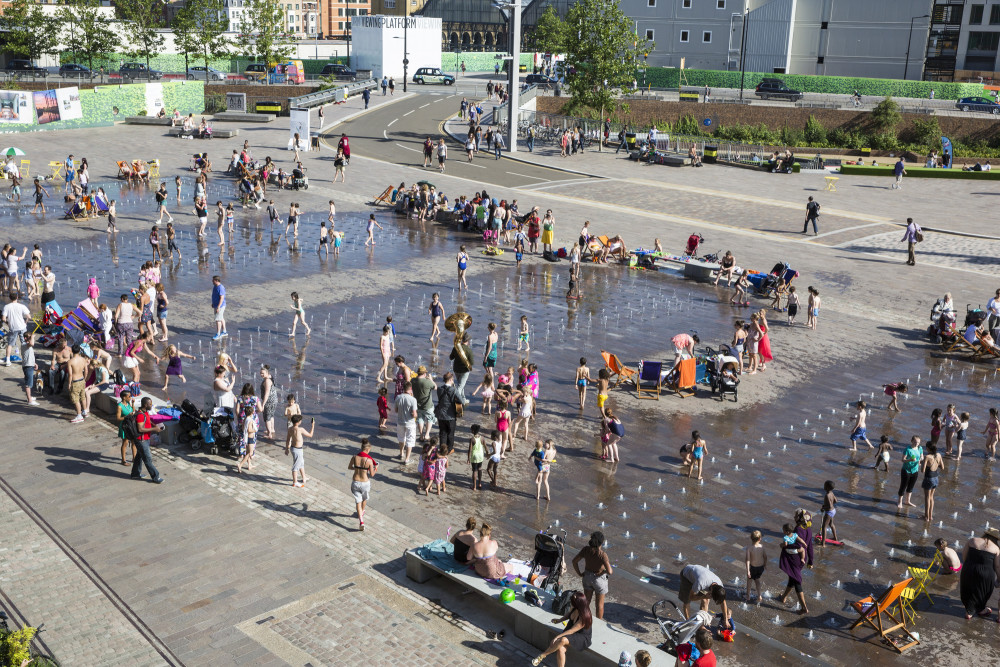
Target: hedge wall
[478,61]
[663,77]
[920,172]
[174,62]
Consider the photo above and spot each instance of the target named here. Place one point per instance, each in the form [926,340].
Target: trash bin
[711,154]
[556,91]
[630,139]
[268,106]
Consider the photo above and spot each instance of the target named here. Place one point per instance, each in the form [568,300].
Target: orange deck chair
[877,615]
[618,369]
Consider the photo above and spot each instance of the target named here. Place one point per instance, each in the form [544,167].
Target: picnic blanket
[441,554]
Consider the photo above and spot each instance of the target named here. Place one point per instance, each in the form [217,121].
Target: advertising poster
[298,123]
[69,103]
[154,98]
[46,106]
[15,107]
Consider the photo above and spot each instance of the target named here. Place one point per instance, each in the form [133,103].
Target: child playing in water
[338,240]
[475,457]
[230,215]
[699,448]
[963,427]
[992,434]
[324,239]
[891,390]
[882,455]
[603,381]
[582,380]
[813,308]
[740,291]
[496,446]
[793,305]
[175,365]
[93,292]
[291,408]
[486,387]
[858,431]
[333,212]
[829,510]
[300,315]
[952,564]
[523,336]
[383,409]
[756,560]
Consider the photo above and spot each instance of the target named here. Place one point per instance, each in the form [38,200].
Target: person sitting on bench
[695,158]
[728,264]
[615,248]
[483,556]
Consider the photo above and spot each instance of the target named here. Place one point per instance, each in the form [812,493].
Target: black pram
[548,563]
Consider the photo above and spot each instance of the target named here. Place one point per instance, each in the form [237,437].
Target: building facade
[963,41]
[335,16]
[832,37]
[397,7]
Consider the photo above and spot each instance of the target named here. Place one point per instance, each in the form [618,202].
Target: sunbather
[615,248]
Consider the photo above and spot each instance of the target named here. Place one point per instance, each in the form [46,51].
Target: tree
[29,32]
[200,28]
[815,132]
[885,116]
[262,27]
[86,30]
[602,47]
[141,20]
[549,35]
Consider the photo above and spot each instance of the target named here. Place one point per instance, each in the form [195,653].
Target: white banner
[298,124]
[154,98]
[15,107]
[69,103]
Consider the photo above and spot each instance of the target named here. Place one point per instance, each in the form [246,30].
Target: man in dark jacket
[445,412]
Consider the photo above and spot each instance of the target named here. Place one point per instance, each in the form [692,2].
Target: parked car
[777,89]
[205,73]
[256,72]
[74,71]
[978,104]
[432,75]
[540,80]
[24,68]
[338,71]
[139,71]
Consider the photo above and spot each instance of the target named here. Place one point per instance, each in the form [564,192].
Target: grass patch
[919,172]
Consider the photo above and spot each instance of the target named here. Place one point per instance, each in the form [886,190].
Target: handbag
[919,236]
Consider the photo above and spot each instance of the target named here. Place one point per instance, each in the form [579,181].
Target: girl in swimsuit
[490,355]
[437,314]
[698,449]
[503,425]
[486,387]
[992,433]
[829,511]
[463,263]
[582,380]
[932,464]
[523,394]
[542,457]
[936,425]
[950,426]
[300,315]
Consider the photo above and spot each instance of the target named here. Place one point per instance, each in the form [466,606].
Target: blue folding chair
[649,381]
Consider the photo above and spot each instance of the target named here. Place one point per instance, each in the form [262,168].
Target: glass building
[476,25]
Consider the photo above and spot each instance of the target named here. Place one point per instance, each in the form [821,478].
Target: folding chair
[985,350]
[124,170]
[154,170]
[687,378]
[925,575]
[26,169]
[617,369]
[384,197]
[597,245]
[649,381]
[876,614]
[56,167]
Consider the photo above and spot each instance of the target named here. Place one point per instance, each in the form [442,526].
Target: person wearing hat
[423,388]
[980,571]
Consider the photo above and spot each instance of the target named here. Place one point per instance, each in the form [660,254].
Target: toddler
[486,387]
[756,561]
[383,409]
[882,455]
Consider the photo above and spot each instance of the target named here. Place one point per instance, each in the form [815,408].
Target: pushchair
[692,244]
[677,632]
[195,428]
[715,364]
[548,563]
[299,180]
[974,316]
[224,433]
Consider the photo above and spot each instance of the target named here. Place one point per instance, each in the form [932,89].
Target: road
[395,133]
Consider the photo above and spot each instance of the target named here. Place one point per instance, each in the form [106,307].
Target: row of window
[977,12]
[685,36]
[685,4]
[391,4]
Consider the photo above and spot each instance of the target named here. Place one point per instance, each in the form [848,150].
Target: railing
[319,97]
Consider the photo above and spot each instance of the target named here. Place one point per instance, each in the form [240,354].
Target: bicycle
[36,659]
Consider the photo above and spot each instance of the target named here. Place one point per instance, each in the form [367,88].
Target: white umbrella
[12,150]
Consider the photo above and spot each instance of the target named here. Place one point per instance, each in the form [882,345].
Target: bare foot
[910,504]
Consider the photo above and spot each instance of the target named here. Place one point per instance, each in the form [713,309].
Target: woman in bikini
[483,556]
[463,541]
[490,354]
[363,467]
[992,433]
[463,264]
[931,465]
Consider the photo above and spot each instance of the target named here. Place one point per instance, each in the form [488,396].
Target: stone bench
[533,624]
[668,159]
[693,268]
[146,120]
[239,117]
[105,401]
[216,134]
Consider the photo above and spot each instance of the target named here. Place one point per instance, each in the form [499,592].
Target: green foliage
[29,32]
[262,31]
[85,31]
[815,133]
[686,125]
[885,141]
[14,646]
[200,28]
[604,53]
[748,134]
[142,18]
[921,172]
[885,116]
[792,137]
[927,133]
[477,61]
[550,32]
[841,138]
[666,77]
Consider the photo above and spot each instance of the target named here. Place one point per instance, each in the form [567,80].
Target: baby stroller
[677,632]
[224,434]
[692,244]
[549,562]
[299,179]
[974,316]
[715,364]
[195,428]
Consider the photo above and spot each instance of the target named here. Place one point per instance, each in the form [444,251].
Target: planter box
[919,172]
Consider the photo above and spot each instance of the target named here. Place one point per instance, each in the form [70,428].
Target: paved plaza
[215,568]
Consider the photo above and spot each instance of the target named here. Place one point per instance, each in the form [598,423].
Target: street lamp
[909,36]
[406,25]
[511,11]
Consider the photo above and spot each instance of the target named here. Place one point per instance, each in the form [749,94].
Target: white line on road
[426,105]
[408,148]
[384,135]
[409,112]
[556,184]
[534,178]
[393,121]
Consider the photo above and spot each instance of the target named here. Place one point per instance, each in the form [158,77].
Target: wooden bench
[533,624]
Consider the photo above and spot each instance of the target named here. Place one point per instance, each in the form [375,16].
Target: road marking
[384,135]
[425,105]
[848,229]
[575,181]
[534,178]
[473,164]
[409,112]
[391,122]
[408,148]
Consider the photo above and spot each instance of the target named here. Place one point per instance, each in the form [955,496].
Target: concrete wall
[378,44]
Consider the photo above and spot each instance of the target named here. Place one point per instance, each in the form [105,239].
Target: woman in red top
[534,231]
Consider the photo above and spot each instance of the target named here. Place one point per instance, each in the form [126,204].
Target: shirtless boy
[294,444]
[363,467]
[859,430]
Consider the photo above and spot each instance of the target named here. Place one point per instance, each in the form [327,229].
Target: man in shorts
[219,307]
[423,388]
[29,366]
[406,422]
[294,445]
[699,584]
[363,468]
[76,368]
[16,315]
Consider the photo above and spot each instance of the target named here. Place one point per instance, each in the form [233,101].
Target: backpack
[561,604]
[130,427]
[118,377]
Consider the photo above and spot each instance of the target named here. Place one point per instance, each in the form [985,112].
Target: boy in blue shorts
[859,431]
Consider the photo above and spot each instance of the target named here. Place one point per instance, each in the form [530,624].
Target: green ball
[507,595]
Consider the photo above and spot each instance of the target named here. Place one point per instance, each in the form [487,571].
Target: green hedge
[919,172]
[663,77]
[174,62]
[478,61]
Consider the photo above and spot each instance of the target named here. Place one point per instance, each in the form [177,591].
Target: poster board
[15,107]
[298,123]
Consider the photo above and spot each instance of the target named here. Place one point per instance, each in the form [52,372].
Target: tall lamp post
[511,9]
[406,55]
[909,36]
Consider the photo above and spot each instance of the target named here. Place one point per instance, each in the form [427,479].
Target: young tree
[262,27]
[199,28]
[86,30]
[141,20]
[549,35]
[602,47]
[29,32]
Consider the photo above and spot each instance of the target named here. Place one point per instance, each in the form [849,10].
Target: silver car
[205,74]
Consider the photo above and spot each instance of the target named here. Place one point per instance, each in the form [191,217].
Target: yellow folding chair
[877,615]
[56,166]
[925,575]
[904,604]
[154,170]
[26,168]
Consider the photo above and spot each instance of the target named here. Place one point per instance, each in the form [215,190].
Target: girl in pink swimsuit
[503,426]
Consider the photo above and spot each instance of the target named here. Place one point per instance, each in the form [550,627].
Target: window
[686,4]
[721,4]
[984,41]
[995,15]
[706,37]
[825,25]
[649,36]
[819,60]
[340,11]
[684,35]
[413,3]
[390,4]
[976,15]
[651,3]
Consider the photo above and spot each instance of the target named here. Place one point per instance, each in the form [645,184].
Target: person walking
[219,307]
[442,155]
[385,85]
[596,570]
[913,235]
[899,170]
[406,422]
[363,468]
[144,425]
[446,413]
[17,316]
[366,95]
[912,458]
[812,215]
[461,357]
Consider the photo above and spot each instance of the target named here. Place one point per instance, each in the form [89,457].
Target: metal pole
[743,52]
[406,25]
[909,36]
[515,63]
